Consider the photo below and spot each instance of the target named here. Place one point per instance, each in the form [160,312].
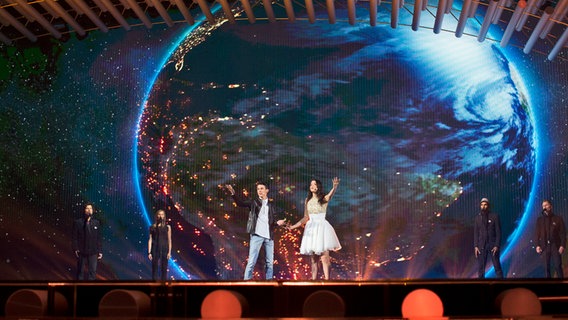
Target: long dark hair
[319,194]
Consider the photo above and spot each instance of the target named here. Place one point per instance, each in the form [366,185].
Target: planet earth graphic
[418,126]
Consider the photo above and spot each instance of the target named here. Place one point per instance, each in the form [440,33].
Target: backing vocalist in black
[550,240]
[87,244]
[160,245]
[487,239]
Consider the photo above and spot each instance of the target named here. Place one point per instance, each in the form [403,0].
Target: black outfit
[159,250]
[87,240]
[486,236]
[550,236]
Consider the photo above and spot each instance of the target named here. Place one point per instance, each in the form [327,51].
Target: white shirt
[262,228]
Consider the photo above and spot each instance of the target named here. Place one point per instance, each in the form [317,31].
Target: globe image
[418,127]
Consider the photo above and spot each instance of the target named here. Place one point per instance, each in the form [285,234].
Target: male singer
[487,239]
[550,239]
[87,243]
[261,221]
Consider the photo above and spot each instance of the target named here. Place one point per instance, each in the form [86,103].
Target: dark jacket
[87,242]
[254,206]
[487,231]
[550,230]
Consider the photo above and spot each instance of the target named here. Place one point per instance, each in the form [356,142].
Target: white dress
[319,235]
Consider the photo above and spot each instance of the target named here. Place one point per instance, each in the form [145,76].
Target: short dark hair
[88,204]
[262,182]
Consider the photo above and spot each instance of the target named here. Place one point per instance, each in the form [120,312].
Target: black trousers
[160,259]
[552,261]
[89,263]
[482,262]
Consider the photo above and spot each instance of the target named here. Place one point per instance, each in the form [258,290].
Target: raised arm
[332,191]
[240,202]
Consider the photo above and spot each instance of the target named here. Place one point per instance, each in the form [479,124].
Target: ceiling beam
[269,10]
[290,10]
[558,15]
[416,14]
[162,12]
[311,11]
[521,5]
[38,17]
[464,15]
[227,10]
[206,11]
[499,11]
[90,14]
[351,12]
[8,19]
[133,5]
[538,29]
[184,11]
[330,6]
[373,5]
[114,12]
[64,15]
[248,11]
[487,20]
[449,5]
[440,12]
[525,15]
[394,13]
[473,8]
[559,45]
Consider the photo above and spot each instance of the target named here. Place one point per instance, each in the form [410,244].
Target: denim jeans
[254,249]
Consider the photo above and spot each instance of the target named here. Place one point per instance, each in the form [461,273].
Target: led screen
[418,126]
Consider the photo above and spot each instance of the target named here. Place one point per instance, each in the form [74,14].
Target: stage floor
[462,299]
